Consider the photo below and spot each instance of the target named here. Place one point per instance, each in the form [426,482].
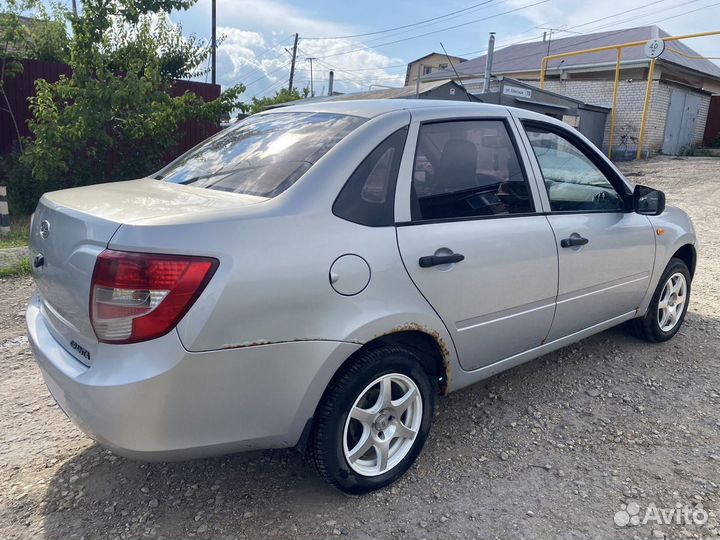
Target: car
[316,275]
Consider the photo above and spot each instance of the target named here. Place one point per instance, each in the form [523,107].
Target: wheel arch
[428,345]
[688,255]
[430,348]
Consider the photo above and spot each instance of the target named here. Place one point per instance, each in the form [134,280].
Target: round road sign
[654,48]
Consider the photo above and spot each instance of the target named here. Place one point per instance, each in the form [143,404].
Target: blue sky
[257,32]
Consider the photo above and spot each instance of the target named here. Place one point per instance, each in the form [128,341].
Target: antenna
[453,66]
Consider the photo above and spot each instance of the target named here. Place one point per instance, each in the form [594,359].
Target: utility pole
[74,4]
[549,41]
[312,85]
[214,42]
[489,62]
[417,81]
[331,80]
[292,64]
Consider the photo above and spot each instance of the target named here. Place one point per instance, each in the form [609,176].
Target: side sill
[465,378]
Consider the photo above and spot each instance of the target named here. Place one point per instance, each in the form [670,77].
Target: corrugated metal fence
[21,87]
[712,126]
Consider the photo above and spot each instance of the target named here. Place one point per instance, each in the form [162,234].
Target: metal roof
[434,54]
[395,93]
[527,56]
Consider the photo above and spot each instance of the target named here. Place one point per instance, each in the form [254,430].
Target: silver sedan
[315,276]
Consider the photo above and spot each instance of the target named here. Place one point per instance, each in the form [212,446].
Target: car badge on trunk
[45,228]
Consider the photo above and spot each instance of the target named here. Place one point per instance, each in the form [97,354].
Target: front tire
[668,306]
[373,420]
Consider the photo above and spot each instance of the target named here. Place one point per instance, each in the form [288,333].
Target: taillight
[140,296]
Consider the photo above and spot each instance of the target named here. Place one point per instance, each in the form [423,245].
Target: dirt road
[550,449]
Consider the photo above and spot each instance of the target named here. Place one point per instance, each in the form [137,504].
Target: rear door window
[262,155]
[467,168]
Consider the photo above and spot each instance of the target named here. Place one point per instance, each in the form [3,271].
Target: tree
[281,96]
[28,30]
[114,118]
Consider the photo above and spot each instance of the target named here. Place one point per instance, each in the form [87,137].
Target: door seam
[557,282]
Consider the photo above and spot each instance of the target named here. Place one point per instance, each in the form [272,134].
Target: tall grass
[18,235]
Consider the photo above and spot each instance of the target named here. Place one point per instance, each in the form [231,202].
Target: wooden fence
[21,87]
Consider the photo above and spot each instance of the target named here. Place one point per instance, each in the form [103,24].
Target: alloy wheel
[672,301]
[382,424]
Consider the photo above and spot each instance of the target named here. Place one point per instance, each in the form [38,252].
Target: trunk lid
[70,228]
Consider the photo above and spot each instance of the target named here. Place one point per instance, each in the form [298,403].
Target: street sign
[517,91]
[654,48]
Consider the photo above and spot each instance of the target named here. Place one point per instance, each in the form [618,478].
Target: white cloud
[258,58]
[238,46]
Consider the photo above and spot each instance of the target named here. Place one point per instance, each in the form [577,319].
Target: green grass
[18,235]
[22,268]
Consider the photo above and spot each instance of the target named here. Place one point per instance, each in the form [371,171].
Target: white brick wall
[631,97]
[702,119]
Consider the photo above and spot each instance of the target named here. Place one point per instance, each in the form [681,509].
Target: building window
[443,66]
[427,70]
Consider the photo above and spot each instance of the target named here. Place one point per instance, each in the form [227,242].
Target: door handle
[574,240]
[435,260]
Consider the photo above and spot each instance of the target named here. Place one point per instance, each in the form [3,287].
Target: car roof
[369,108]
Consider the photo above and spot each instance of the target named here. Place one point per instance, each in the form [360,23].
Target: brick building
[428,64]
[682,85]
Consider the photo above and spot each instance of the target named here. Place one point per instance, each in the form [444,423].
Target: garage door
[680,124]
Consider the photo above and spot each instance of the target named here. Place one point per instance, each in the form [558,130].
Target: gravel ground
[549,449]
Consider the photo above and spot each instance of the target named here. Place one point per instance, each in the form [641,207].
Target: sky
[257,34]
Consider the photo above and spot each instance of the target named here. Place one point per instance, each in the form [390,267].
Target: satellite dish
[654,48]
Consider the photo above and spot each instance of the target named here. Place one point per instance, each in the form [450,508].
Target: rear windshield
[262,155]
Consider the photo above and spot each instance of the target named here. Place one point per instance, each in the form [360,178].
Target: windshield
[262,155]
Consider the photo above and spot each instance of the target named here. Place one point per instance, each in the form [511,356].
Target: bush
[113,118]
[23,190]
[281,96]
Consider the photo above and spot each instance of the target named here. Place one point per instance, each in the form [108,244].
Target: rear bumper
[156,401]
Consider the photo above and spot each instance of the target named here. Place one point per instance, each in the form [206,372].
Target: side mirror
[648,201]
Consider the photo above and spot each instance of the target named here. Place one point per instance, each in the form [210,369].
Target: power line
[266,75]
[561,48]
[503,61]
[438,31]
[373,41]
[277,84]
[268,50]
[561,30]
[328,66]
[653,12]
[575,44]
[394,66]
[407,25]
[536,37]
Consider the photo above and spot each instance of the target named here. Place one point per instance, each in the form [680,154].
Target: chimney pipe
[331,80]
[488,62]
[544,37]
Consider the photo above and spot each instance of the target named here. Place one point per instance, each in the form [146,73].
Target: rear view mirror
[648,201]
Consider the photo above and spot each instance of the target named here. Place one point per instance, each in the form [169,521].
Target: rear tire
[373,420]
[668,306]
